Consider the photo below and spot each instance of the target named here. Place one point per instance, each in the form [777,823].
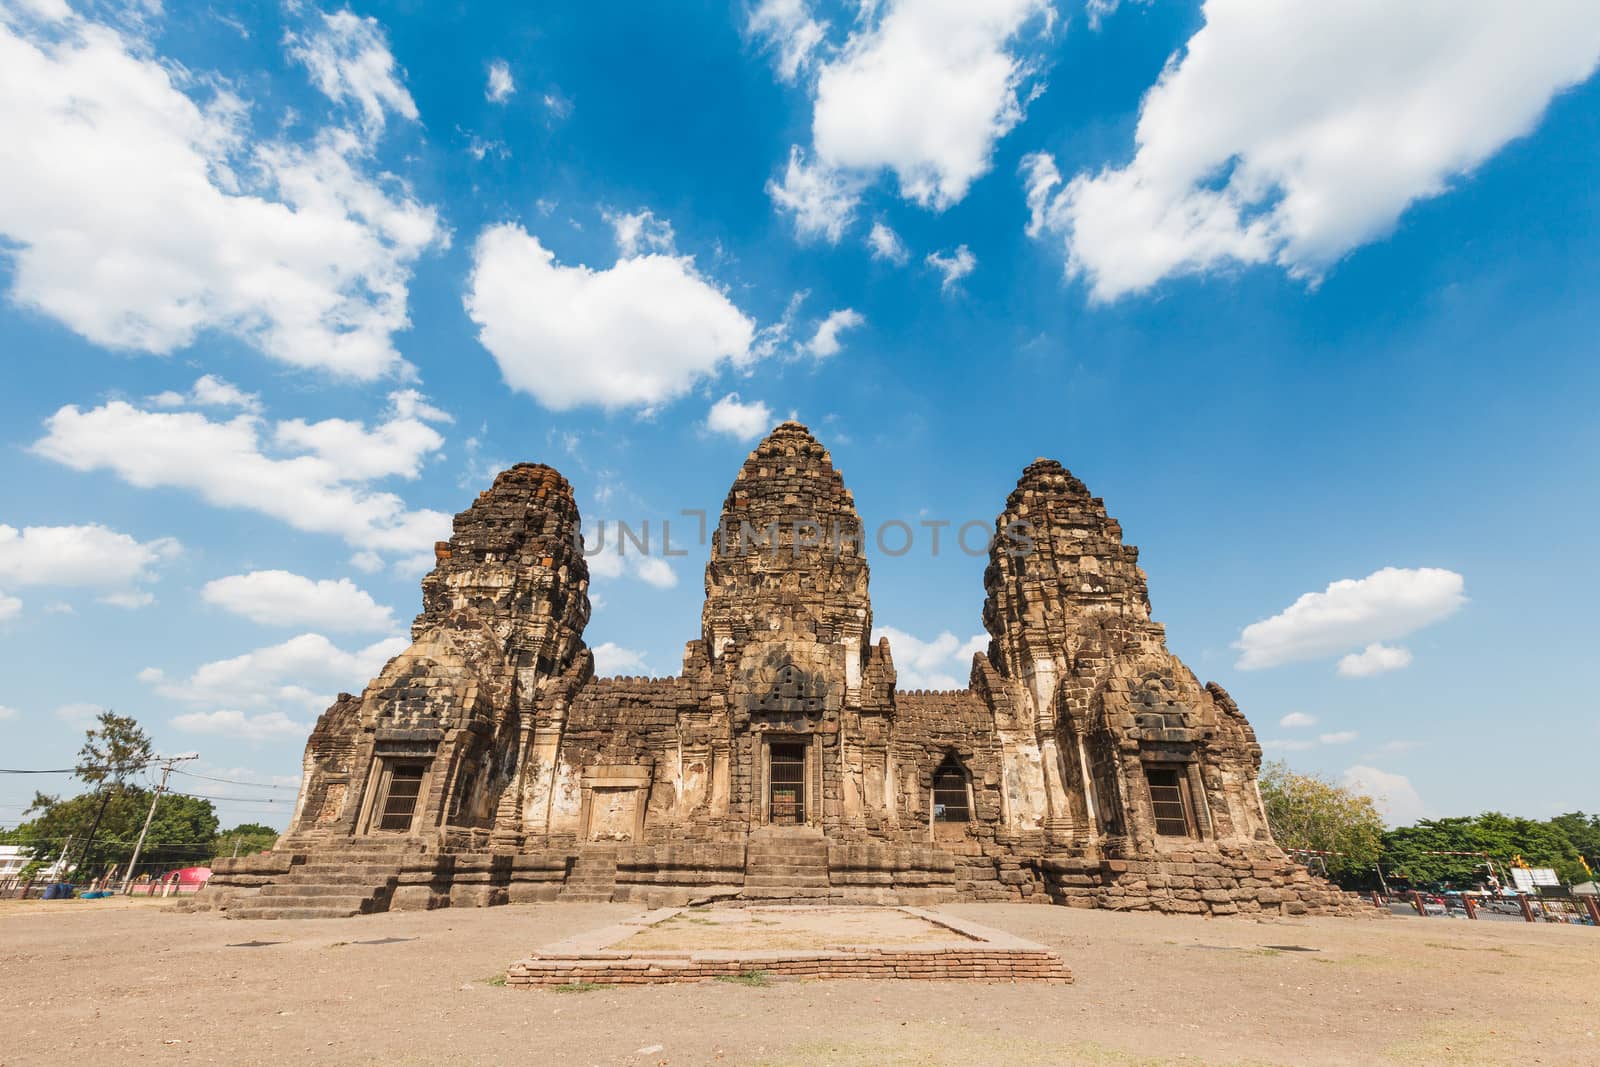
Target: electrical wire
[229,781]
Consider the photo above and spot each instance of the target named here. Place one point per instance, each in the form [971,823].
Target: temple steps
[355,881]
[786,862]
[593,878]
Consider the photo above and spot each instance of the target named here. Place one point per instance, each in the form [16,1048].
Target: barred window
[1169,797]
[950,803]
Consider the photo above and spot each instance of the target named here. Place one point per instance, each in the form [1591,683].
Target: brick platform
[953,950]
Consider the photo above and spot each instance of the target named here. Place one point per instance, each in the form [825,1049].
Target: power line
[230,781]
[60,770]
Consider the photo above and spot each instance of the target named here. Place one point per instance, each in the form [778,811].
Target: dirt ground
[82,982]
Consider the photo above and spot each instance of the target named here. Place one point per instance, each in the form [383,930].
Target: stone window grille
[951,800]
[400,799]
[1169,800]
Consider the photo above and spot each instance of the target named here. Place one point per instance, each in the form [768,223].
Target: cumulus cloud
[825,342]
[821,199]
[611,659]
[1386,604]
[303,672]
[734,417]
[953,267]
[77,714]
[641,232]
[500,85]
[886,244]
[1374,659]
[209,392]
[611,555]
[923,89]
[1339,737]
[1297,719]
[1294,132]
[137,209]
[282,598]
[7,713]
[635,335]
[10,607]
[263,727]
[944,662]
[349,60]
[787,30]
[1396,798]
[314,476]
[89,557]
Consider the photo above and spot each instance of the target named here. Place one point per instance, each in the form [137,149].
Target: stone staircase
[329,885]
[593,878]
[786,863]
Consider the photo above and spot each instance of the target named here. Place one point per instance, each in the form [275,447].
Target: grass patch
[575,987]
[497,980]
[750,978]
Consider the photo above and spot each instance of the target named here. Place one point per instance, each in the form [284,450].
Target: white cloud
[209,392]
[1100,10]
[787,29]
[886,244]
[612,659]
[826,341]
[945,662]
[89,557]
[1341,737]
[7,713]
[79,714]
[10,607]
[653,570]
[130,600]
[954,267]
[263,727]
[140,215]
[1297,719]
[635,335]
[349,60]
[500,85]
[303,672]
[611,555]
[1396,798]
[926,92]
[1386,604]
[1294,132]
[1374,659]
[282,598]
[738,419]
[299,474]
[641,233]
[821,199]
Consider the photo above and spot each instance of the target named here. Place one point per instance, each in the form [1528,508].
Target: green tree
[1422,853]
[182,833]
[113,749]
[246,838]
[1307,811]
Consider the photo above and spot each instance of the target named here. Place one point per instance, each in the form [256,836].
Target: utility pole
[166,769]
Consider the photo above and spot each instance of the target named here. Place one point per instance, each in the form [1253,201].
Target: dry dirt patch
[85,985]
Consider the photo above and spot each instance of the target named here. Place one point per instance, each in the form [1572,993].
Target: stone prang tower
[487,764]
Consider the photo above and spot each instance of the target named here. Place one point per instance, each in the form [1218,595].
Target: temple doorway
[786,775]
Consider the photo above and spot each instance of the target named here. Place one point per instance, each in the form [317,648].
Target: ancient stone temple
[1083,764]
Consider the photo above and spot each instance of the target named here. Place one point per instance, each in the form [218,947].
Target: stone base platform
[806,941]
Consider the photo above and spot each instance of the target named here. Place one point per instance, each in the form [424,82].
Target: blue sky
[1306,292]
